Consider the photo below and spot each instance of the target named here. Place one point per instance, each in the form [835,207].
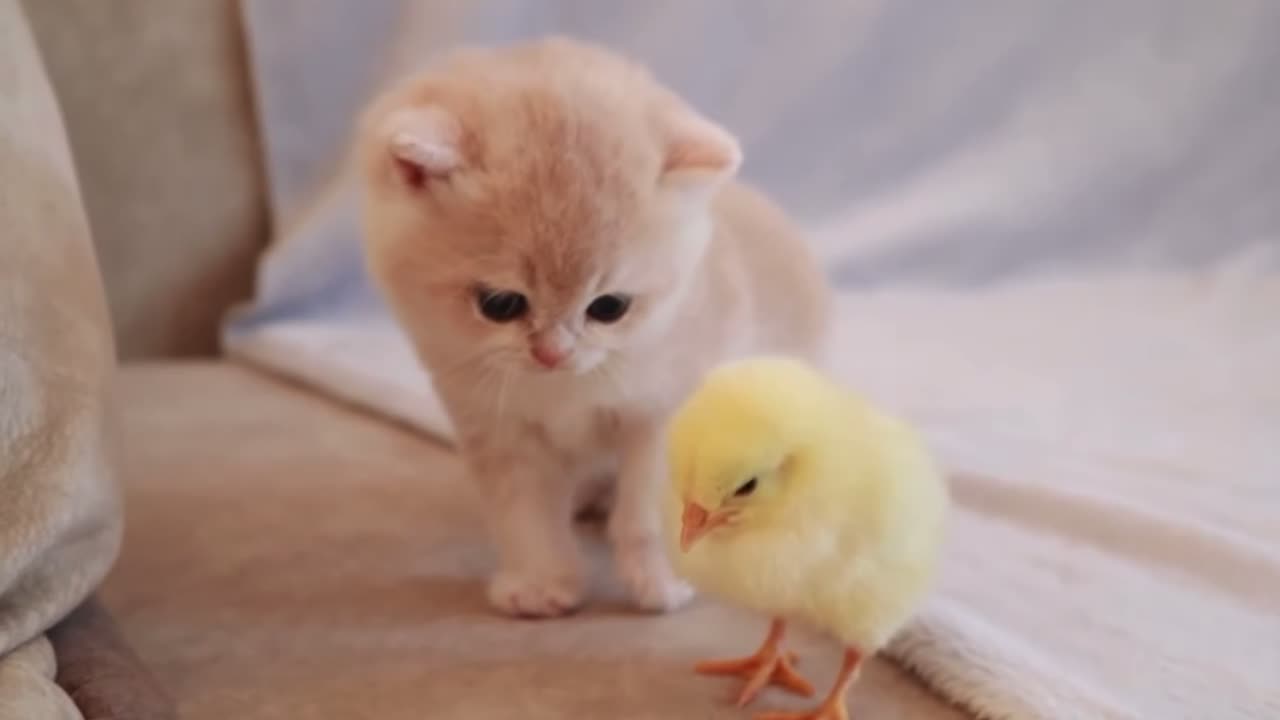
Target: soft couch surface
[290,558]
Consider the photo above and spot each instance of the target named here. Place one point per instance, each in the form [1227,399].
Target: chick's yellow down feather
[792,496]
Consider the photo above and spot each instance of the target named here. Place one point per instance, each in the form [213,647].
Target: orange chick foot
[766,667]
[833,707]
[831,710]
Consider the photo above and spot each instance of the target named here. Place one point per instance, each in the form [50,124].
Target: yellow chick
[792,497]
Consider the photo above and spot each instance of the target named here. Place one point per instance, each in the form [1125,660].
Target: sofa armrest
[159,113]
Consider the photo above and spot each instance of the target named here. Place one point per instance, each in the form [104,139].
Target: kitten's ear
[423,143]
[699,152]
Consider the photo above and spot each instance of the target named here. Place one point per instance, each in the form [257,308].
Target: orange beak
[697,522]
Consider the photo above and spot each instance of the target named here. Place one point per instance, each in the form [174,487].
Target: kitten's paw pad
[534,596]
[651,582]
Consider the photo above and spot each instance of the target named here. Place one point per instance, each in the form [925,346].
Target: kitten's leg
[596,500]
[635,527]
[540,572]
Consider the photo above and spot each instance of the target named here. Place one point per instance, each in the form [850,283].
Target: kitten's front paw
[529,595]
[650,580]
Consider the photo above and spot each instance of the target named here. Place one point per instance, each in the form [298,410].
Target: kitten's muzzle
[551,350]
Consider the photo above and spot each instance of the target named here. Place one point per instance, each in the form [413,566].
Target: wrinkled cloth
[27,687]
[1053,230]
[60,518]
[102,673]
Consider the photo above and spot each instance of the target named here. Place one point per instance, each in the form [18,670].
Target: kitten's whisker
[475,364]
[502,392]
[490,397]
[614,381]
[474,361]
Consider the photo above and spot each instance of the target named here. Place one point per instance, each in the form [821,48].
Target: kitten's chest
[579,425]
[581,430]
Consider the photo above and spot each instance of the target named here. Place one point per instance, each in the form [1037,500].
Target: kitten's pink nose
[546,355]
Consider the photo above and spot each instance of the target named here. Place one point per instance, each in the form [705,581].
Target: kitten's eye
[608,308]
[501,306]
[745,488]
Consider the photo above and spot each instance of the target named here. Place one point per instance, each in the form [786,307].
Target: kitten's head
[541,207]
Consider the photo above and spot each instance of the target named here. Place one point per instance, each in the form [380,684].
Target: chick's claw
[743,666]
[766,667]
[825,711]
[833,707]
[779,672]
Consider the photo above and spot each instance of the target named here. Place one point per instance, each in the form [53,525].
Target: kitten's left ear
[699,152]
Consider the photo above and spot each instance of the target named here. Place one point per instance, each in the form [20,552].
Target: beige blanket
[59,514]
[1116,547]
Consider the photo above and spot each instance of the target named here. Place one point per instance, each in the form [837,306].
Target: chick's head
[741,447]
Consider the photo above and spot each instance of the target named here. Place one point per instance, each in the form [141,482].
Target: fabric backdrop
[1055,228]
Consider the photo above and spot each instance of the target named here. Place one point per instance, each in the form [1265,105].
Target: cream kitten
[566,245]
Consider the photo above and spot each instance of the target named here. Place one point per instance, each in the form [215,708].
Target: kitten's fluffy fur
[562,171]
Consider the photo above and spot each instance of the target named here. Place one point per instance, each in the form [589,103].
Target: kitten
[566,245]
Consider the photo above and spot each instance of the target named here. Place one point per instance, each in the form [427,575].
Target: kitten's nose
[551,347]
[548,356]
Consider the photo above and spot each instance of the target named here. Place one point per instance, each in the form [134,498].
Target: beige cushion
[290,557]
[159,113]
[59,512]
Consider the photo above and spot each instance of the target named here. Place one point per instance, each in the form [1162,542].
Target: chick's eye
[501,306]
[608,308]
[745,488]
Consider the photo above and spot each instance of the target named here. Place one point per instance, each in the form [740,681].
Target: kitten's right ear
[699,152]
[422,144]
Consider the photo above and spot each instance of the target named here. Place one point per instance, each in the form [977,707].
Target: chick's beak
[695,523]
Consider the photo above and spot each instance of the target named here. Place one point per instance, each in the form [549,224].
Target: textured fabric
[59,512]
[1054,229]
[159,114]
[27,687]
[101,672]
[1115,551]
[290,558]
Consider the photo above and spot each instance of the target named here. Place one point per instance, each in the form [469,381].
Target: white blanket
[1056,233]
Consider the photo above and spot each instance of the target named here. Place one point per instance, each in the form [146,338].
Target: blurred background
[919,143]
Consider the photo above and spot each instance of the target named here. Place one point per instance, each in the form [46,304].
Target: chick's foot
[825,711]
[775,669]
[833,708]
[768,666]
